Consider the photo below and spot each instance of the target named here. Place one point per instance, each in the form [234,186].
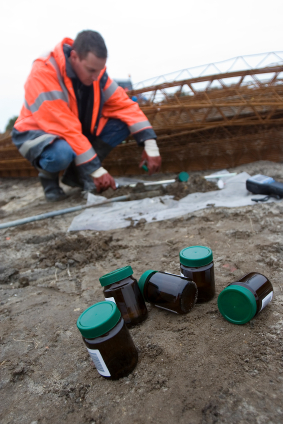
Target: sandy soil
[193,369]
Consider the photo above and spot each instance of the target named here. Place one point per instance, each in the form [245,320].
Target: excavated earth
[178,190]
[192,369]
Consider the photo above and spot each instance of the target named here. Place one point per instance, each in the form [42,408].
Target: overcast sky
[144,38]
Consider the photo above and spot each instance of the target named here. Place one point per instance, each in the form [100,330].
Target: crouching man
[74,114]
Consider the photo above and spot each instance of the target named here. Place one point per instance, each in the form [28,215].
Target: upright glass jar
[120,287]
[196,263]
[239,302]
[108,340]
[168,291]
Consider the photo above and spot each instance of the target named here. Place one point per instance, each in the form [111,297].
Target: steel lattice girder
[255,98]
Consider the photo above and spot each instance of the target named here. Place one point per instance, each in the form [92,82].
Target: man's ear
[74,55]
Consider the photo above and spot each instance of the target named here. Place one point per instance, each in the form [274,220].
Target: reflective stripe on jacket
[50,111]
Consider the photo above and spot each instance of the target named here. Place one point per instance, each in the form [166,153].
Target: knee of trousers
[55,160]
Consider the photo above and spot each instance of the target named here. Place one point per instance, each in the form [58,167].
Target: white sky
[144,38]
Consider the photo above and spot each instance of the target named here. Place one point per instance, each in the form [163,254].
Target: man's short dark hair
[90,41]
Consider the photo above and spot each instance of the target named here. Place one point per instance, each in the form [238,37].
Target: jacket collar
[69,70]
[60,56]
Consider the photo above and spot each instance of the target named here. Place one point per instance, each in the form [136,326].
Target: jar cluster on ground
[104,326]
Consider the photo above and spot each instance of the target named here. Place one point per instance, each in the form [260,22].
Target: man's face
[87,69]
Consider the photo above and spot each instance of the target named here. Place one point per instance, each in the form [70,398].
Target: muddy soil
[178,189]
[192,369]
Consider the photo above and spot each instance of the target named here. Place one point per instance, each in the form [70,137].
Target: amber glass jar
[120,287]
[241,301]
[168,291]
[196,263]
[108,340]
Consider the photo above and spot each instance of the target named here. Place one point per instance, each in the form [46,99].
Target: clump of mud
[120,191]
[195,184]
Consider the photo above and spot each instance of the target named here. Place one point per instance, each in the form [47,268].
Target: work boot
[71,177]
[76,177]
[53,192]
[88,184]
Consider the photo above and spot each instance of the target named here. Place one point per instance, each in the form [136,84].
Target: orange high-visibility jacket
[50,111]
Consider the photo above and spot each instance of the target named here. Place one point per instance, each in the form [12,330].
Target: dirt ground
[192,369]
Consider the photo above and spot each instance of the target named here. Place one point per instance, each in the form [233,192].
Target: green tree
[10,124]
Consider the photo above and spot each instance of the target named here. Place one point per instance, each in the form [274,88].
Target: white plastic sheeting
[121,214]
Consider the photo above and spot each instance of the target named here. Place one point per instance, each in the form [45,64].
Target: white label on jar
[170,310]
[265,301]
[110,299]
[99,362]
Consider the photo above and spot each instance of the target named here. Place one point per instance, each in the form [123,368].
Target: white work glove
[103,180]
[151,148]
[151,156]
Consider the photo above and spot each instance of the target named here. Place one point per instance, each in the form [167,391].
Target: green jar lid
[143,279]
[237,304]
[183,177]
[98,319]
[115,276]
[196,256]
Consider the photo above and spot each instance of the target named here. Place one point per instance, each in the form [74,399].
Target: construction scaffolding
[218,115]
[246,97]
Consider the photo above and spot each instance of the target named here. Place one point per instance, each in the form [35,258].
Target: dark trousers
[59,155]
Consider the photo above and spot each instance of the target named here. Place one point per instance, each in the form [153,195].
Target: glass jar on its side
[240,301]
[120,287]
[108,340]
[196,264]
[168,291]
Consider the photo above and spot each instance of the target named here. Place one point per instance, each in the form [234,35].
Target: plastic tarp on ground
[121,214]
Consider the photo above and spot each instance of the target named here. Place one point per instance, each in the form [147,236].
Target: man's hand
[103,180]
[151,157]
